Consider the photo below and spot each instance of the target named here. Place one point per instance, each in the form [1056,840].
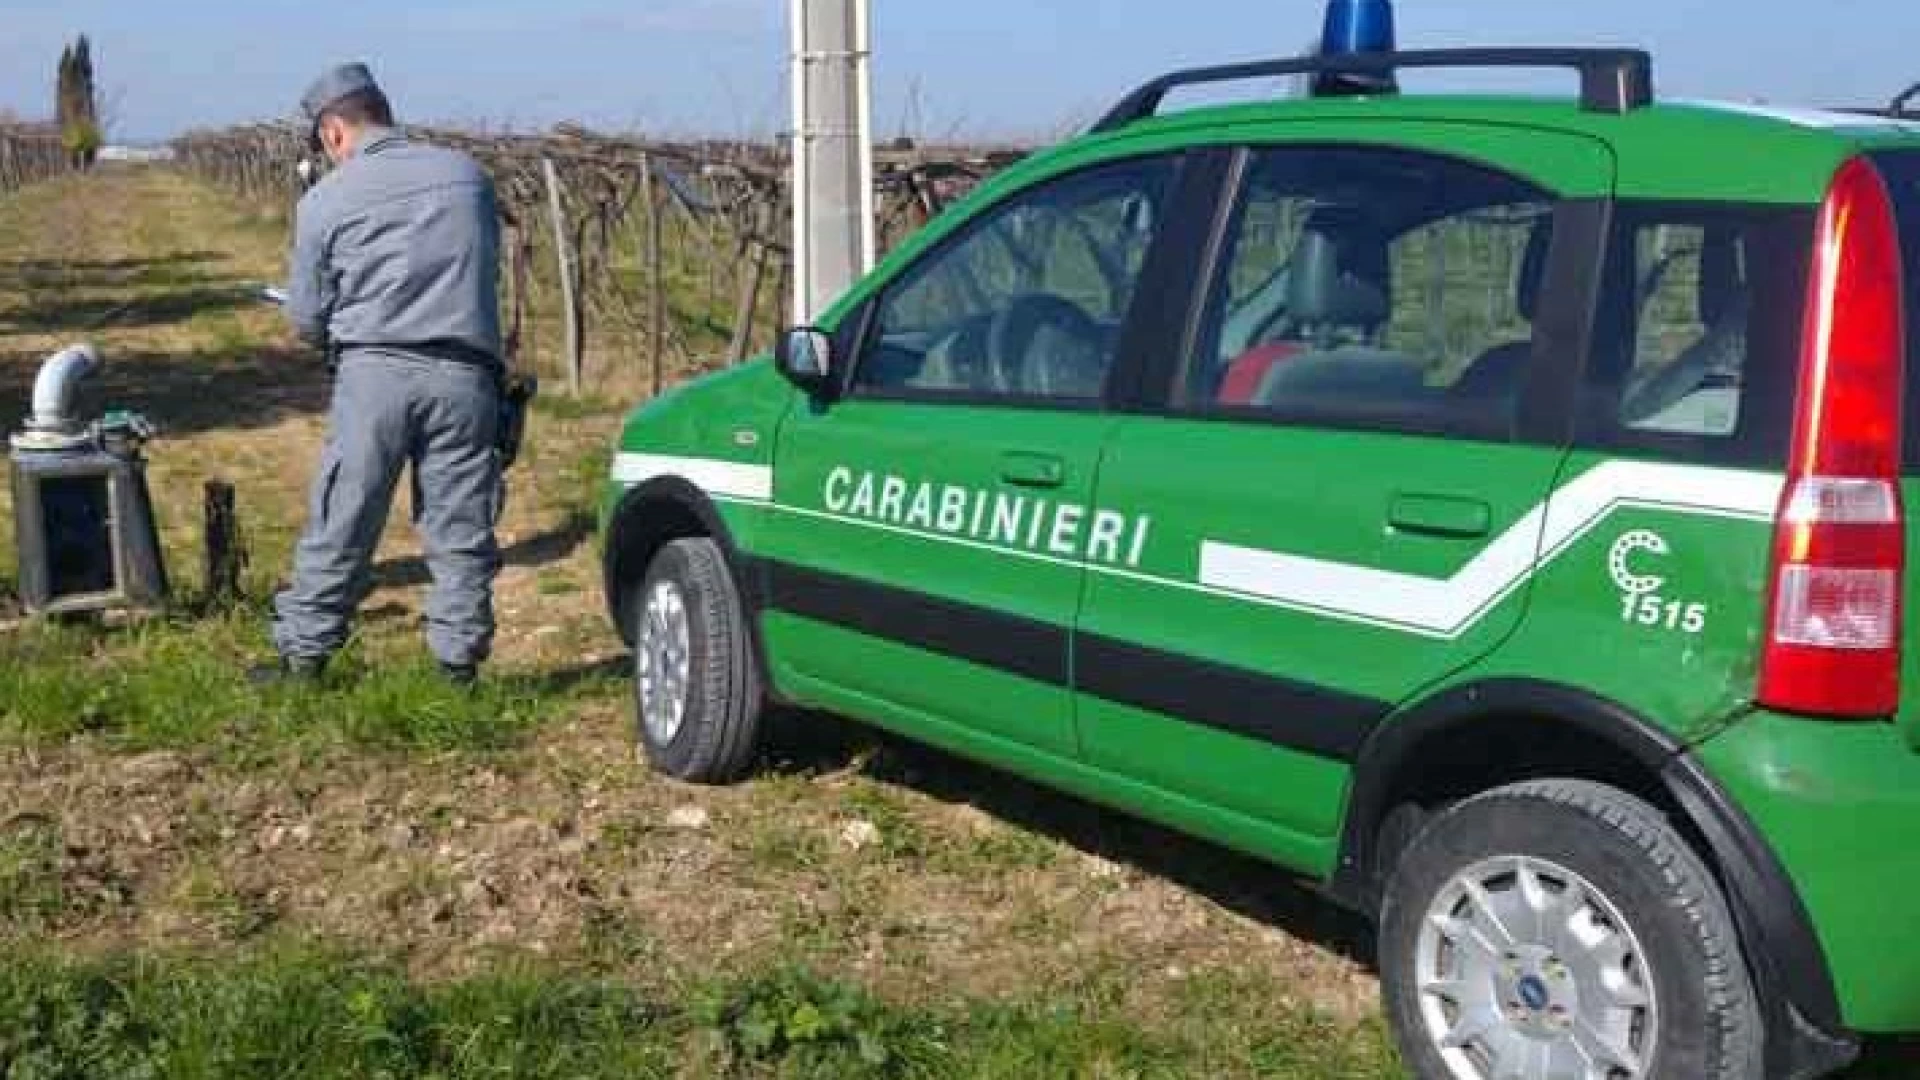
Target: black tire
[719,732]
[1708,1025]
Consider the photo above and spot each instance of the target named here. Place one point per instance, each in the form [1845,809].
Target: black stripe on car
[1295,715]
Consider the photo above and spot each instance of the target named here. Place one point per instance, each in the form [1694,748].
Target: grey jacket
[398,248]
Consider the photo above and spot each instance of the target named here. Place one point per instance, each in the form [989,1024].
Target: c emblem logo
[1631,583]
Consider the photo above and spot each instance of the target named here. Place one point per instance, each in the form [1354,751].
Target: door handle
[1024,468]
[1440,515]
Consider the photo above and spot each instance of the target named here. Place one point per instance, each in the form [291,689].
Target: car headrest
[1720,286]
[1324,285]
[1533,270]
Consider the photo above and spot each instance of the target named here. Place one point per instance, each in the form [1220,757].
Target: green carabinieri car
[1490,507]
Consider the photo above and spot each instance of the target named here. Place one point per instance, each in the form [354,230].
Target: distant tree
[63,88]
[77,104]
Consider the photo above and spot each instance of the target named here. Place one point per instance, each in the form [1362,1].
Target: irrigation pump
[82,515]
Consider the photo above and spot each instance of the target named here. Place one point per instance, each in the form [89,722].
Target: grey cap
[332,85]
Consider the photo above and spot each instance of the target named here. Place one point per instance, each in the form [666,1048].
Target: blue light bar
[1357,26]
[1352,27]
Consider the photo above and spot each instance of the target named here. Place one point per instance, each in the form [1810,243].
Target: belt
[455,351]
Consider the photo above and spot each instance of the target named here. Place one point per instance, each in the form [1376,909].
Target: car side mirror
[805,356]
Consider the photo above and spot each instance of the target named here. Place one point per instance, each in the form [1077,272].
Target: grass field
[384,878]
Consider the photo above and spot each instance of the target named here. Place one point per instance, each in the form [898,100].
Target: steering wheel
[1075,368]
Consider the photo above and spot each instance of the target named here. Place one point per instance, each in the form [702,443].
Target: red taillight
[1833,628]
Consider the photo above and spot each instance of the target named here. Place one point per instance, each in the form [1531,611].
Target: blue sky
[965,68]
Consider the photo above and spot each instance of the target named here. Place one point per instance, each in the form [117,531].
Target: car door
[926,557]
[1346,471]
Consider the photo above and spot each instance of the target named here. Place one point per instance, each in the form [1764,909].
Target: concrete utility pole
[832,151]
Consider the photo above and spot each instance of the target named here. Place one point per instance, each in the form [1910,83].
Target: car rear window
[1902,172]
[1696,341]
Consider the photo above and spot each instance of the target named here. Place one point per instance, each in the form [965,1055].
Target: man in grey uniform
[395,273]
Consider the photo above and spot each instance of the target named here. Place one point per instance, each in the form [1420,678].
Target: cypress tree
[76,104]
[87,98]
[63,89]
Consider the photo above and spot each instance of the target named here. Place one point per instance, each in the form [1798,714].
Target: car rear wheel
[697,690]
[1562,929]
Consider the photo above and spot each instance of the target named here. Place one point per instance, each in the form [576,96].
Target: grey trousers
[390,410]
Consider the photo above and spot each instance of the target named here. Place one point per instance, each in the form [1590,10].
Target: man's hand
[310,290]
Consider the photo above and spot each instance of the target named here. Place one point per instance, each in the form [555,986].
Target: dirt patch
[570,850]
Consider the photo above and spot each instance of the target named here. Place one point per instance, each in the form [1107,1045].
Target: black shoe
[288,670]
[463,676]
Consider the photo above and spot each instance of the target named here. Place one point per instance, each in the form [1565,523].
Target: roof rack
[1902,106]
[1611,80]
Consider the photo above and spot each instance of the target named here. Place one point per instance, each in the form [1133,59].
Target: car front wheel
[697,689]
[1563,929]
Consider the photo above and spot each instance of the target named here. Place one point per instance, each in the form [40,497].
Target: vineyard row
[628,264]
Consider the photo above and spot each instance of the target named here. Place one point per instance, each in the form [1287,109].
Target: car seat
[1248,370]
[1495,375]
[1335,288]
[1334,305]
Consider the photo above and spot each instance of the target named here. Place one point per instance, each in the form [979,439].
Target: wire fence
[29,154]
[628,264]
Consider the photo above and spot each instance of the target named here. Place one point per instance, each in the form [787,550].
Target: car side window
[1373,286]
[1689,336]
[1695,341]
[1027,302]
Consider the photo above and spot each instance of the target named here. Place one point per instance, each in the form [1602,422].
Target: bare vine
[680,250]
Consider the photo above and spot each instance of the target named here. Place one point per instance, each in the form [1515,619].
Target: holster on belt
[517,391]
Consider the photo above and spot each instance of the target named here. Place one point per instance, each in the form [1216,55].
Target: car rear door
[1345,463]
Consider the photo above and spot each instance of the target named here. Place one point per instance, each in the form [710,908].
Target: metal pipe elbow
[54,388]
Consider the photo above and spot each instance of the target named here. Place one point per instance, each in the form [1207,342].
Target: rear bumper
[1839,804]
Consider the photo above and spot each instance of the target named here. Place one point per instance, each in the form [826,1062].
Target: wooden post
[750,282]
[1501,286]
[749,301]
[656,278]
[226,556]
[785,286]
[569,288]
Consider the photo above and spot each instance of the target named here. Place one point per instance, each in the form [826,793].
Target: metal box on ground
[83,524]
[83,518]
